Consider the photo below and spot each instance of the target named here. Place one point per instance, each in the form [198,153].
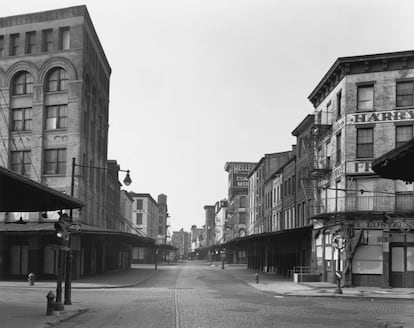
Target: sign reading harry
[374,117]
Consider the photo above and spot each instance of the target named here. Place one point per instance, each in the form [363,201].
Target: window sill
[56,92]
[52,175]
[404,107]
[56,130]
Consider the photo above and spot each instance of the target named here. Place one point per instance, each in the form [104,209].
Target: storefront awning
[20,194]
[397,163]
[47,228]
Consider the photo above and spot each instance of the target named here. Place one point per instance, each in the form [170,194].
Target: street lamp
[68,272]
[339,243]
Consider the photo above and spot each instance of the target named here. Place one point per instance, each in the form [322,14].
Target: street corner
[63,316]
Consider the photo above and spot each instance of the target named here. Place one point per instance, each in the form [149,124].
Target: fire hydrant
[31,278]
[50,303]
[257,278]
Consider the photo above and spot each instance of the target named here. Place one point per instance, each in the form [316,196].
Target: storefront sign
[338,171]
[375,117]
[400,224]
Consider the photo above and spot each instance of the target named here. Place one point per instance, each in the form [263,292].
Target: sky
[196,84]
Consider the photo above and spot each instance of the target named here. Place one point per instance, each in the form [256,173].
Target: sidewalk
[22,305]
[269,282]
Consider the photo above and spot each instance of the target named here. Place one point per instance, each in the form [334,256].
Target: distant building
[267,165]
[146,219]
[181,240]
[196,236]
[238,189]
[209,225]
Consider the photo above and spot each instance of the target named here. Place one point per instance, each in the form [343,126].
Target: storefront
[398,165]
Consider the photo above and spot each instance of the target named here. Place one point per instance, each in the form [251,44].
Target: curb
[118,286]
[65,318]
[331,295]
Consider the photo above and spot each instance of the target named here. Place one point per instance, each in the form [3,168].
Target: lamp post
[68,253]
[339,244]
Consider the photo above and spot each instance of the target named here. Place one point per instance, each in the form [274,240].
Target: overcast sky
[198,83]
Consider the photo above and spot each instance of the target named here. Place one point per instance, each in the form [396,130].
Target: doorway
[402,265]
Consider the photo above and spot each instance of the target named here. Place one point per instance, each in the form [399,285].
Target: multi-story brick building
[146,218]
[54,96]
[364,106]
[238,188]
[267,165]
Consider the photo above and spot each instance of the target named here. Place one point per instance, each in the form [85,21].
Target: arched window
[56,80]
[22,83]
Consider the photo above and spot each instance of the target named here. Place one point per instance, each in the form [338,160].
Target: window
[56,80]
[47,40]
[139,204]
[139,218]
[56,117]
[22,83]
[365,143]
[365,98]
[403,134]
[55,161]
[338,105]
[338,149]
[30,42]
[14,44]
[405,93]
[20,162]
[21,119]
[64,38]
[1,45]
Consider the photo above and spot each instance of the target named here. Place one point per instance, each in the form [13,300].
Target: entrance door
[19,260]
[402,266]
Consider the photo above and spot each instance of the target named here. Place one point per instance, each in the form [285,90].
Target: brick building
[54,97]
[364,107]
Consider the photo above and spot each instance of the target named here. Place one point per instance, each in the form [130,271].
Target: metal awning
[20,194]
[397,163]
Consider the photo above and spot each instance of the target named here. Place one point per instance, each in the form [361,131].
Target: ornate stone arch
[58,62]
[18,67]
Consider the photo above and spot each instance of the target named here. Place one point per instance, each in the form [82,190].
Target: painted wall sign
[375,117]
[359,167]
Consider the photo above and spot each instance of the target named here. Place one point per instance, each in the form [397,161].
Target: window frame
[360,87]
[56,76]
[14,44]
[60,118]
[360,145]
[26,119]
[23,164]
[21,79]
[399,83]
[339,104]
[397,127]
[47,40]
[57,164]
[30,42]
[338,148]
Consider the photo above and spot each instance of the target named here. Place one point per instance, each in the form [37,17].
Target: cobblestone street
[200,296]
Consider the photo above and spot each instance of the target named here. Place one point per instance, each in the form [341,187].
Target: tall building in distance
[181,240]
[238,189]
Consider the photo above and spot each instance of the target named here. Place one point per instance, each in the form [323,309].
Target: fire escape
[319,166]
